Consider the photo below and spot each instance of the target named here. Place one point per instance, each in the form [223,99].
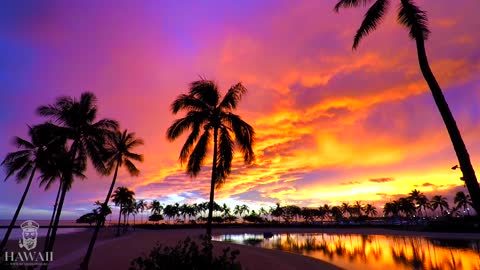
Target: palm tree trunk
[212,184]
[51,242]
[119,220]
[17,212]
[459,146]
[86,259]
[52,219]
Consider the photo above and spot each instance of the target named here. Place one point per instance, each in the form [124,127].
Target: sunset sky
[332,124]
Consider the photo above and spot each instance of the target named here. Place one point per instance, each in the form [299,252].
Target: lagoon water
[352,251]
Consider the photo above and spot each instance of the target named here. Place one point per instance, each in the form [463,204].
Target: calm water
[17,232]
[372,251]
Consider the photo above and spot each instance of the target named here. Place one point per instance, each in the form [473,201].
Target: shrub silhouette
[188,255]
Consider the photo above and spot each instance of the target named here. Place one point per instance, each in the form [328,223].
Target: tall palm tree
[439,201]
[462,200]
[118,152]
[130,209]
[76,120]
[209,118]
[122,196]
[142,205]
[32,155]
[415,20]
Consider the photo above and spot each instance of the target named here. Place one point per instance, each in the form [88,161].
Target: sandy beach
[117,252]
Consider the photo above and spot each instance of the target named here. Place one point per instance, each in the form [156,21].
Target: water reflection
[372,251]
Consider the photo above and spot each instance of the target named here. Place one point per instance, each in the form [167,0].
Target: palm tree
[130,209]
[439,201]
[419,198]
[392,208]
[32,156]
[77,123]
[346,208]
[407,206]
[156,207]
[122,196]
[357,208]
[415,19]
[102,211]
[370,210]
[207,114]
[118,152]
[423,203]
[462,201]
[141,206]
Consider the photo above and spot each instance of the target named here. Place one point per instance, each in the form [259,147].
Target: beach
[117,252]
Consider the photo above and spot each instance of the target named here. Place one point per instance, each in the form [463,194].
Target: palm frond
[206,91]
[372,18]
[131,168]
[188,103]
[350,4]
[198,154]
[187,146]
[224,156]
[134,156]
[22,143]
[232,97]
[415,19]
[244,135]
[183,124]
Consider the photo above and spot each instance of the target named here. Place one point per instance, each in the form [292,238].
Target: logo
[29,235]
[28,242]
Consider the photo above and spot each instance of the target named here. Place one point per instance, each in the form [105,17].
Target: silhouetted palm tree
[423,203]
[118,152]
[462,201]
[32,156]
[77,123]
[392,208]
[439,201]
[156,207]
[209,118]
[415,20]
[370,210]
[121,197]
[419,198]
[141,206]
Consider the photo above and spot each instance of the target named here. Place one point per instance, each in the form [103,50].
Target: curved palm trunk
[51,241]
[212,184]
[52,219]
[455,136]
[17,212]
[86,259]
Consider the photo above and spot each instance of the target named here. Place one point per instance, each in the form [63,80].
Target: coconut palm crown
[209,117]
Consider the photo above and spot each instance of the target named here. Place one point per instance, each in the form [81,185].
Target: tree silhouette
[462,201]
[439,201]
[209,118]
[118,152]
[76,119]
[33,155]
[122,196]
[415,20]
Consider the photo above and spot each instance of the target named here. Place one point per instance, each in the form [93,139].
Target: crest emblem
[29,234]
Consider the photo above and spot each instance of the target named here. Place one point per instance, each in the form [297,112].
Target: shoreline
[117,252]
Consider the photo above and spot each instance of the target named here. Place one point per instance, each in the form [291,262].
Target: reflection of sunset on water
[374,251]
